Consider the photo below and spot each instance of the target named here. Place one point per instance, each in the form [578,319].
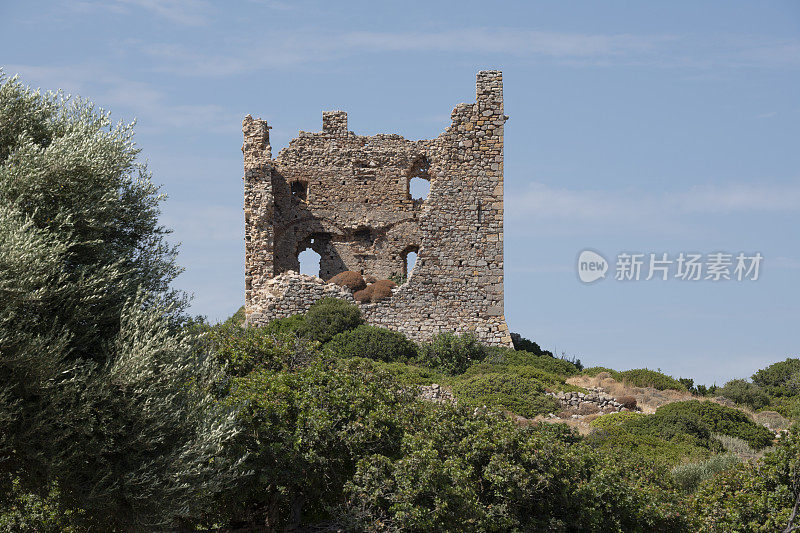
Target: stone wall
[347,197]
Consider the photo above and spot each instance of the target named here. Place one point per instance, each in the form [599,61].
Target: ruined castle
[348,198]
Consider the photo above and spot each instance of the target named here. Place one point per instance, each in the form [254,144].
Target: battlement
[334,122]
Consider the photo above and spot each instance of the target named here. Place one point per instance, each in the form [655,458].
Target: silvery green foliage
[735,445]
[181,431]
[37,329]
[100,390]
[75,174]
[689,476]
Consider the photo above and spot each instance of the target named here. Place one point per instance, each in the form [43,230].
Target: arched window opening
[411,260]
[309,262]
[419,179]
[299,191]
[409,256]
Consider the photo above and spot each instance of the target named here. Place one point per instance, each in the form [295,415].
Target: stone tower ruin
[348,198]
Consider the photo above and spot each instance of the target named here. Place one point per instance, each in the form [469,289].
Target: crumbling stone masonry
[347,197]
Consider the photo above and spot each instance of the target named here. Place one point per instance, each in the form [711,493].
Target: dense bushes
[594,370]
[619,442]
[780,379]
[690,475]
[753,496]
[745,393]
[243,349]
[521,396]
[375,343]
[329,316]
[526,345]
[643,377]
[291,324]
[677,432]
[451,353]
[34,513]
[695,422]
[610,420]
[458,472]
[305,430]
[674,426]
[506,357]
[338,439]
[721,419]
[408,374]
[546,379]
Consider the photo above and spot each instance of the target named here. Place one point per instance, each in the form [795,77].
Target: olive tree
[103,392]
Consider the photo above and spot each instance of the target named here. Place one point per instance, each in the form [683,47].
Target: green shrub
[501,356]
[290,324]
[788,406]
[777,374]
[328,317]
[593,371]
[614,419]
[549,380]
[745,393]
[689,384]
[521,396]
[686,427]
[101,390]
[621,443]
[458,472]
[373,343]
[721,419]
[304,432]
[244,349]
[689,476]
[780,379]
[236,318]
[407,374]
[526,345]
[754,496]
[643,377]
[32,513]
[451,353]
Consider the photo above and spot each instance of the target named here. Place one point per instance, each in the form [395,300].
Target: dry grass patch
[647,399]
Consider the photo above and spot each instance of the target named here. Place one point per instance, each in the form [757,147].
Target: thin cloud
[313,46]
[738,198]
[515,42]
[181,12]
[152,107]
[548,203]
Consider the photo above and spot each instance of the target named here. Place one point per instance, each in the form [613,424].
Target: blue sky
[635,126]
